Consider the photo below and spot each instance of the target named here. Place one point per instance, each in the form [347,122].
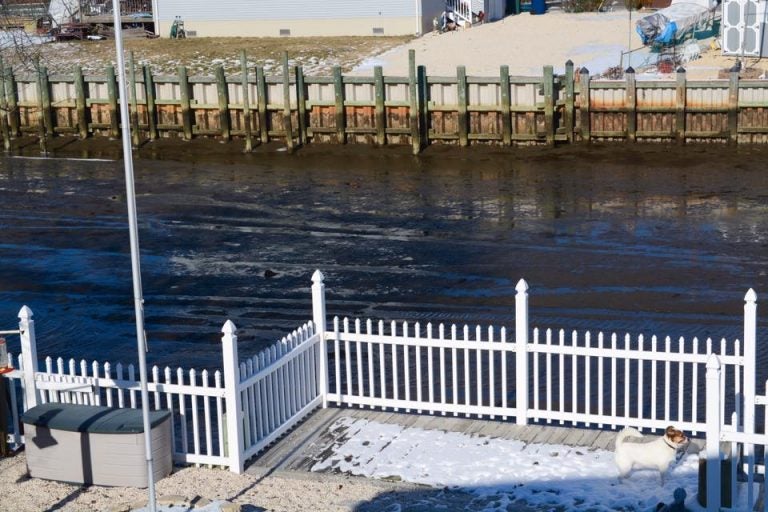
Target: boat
[675,23]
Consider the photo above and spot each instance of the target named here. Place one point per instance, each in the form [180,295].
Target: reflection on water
[653,240]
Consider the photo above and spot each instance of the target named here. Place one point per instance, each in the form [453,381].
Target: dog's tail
[627,432]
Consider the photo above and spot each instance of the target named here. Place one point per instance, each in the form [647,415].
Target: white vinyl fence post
[318,318]
[750,360]
[28,356]
[521,352]
[714,421]
[234,406]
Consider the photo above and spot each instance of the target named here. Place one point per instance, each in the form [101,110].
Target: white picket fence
[272,391]
[528,374]
[577,378]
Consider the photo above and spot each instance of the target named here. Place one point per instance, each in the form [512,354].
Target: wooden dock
[311,441]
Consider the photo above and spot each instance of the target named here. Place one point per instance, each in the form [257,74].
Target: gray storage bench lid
[90,418]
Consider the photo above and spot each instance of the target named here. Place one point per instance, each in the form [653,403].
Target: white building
[311,18]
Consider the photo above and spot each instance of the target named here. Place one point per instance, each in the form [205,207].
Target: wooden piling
[733,107]
[413,107]
[380,112]
[584,120]
[246,102]
[680,101]
[82,120]
[506,106]
[223,95]
[114,127]
[261,91]
[149,94]
[549,105]
[462,97]
[45,93]
[301,99]
[186,108]
[4,109]
[12,95]
[287,121]
[631,104]
[41,103]
[423,84]
[569,111]
[134,113]
[341,118]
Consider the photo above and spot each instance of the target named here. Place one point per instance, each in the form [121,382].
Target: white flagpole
[135,265]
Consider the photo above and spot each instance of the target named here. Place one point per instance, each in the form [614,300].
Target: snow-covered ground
[500,472]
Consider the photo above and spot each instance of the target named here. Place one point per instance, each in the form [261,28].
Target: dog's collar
[670,444]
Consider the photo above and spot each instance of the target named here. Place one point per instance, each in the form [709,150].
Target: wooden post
[223,95]
[569,114]
[733,107]
[4,112]
[423,84]
[381,120]
[11,93]
[246,102]
[413,107]
[506,106]
[584,117]
[114,126]
[28,356]
[41,106]
[261,91]
[301,98]
[341,118]
[186,108]
[521,352]
[287,121]
[713,422]
[134,115]
[631,104]
[549,105]
[232,398]
[149,94]
[45,90]
[462,97]
[82,120]
[680,100]
[318,318]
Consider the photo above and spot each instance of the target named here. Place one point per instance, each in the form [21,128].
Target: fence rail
[417,109]
[526,374]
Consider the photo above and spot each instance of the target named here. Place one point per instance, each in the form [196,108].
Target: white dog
[658,454]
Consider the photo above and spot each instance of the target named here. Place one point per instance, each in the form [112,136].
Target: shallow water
[654,240]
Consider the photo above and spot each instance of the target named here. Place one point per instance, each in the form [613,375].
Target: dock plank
[311,440]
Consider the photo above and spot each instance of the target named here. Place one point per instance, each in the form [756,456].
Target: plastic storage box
[95,445]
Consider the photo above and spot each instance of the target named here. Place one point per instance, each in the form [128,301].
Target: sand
[284,491]
[526,43]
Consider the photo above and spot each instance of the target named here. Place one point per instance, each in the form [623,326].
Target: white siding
[285,9]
